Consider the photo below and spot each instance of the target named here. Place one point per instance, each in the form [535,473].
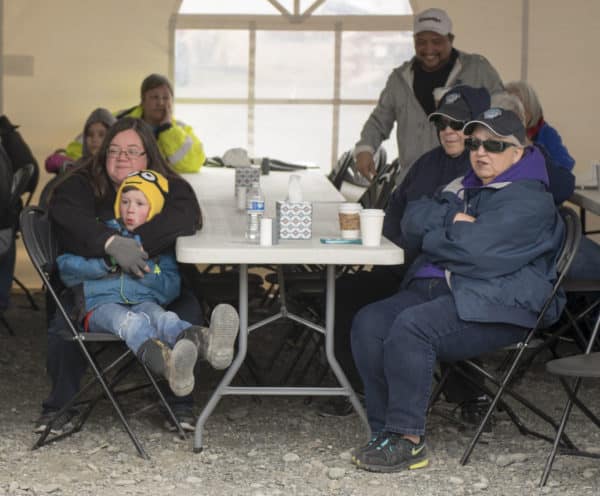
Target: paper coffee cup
[350,220]
[371,225]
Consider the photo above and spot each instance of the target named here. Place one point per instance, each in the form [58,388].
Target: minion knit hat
[154,186]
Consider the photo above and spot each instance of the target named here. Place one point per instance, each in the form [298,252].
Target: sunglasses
[441,123]
[492,146]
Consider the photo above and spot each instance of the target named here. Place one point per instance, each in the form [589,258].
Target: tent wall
[68,57]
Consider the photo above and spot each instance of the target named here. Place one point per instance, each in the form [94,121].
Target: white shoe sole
[181,367]
[224,326]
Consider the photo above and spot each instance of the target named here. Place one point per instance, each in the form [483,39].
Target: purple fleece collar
[532,166]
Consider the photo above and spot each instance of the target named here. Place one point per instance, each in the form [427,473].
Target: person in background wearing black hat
[488,244]
[408,96]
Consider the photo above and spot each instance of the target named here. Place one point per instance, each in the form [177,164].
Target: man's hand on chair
[365,165]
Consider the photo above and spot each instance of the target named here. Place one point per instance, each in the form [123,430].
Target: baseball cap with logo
[503,123]
[435,20]
[462,103]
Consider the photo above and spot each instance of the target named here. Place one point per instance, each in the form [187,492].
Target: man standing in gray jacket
[408,96]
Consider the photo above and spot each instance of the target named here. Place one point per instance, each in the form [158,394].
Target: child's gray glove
[128,254]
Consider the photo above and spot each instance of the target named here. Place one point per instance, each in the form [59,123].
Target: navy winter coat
[500,268]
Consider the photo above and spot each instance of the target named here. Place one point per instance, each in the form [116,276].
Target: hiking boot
[185,415]
[392,453]
[473,411]
[176,365]
[217,342]
[60,425]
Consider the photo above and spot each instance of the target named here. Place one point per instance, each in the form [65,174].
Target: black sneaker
[473,411]
[376,438]
[392,453]
[59,426]
[185,415]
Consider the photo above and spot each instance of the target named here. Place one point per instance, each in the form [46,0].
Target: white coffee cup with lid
[371,226]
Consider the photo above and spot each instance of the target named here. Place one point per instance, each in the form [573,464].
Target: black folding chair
[568,250]
[22,179]
[378,193]
[25,180]
[345,169]
[42,250]
[584,365]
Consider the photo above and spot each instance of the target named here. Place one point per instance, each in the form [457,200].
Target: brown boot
[176,365]
[215,343]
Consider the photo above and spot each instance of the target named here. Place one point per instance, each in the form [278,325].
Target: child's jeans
[135,324]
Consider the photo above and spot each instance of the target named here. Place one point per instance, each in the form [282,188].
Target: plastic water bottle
[255,210]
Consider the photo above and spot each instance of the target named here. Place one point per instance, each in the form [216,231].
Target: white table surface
[221,239]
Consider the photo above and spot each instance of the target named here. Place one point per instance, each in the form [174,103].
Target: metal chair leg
[5,323]
[561,428]
[28,294]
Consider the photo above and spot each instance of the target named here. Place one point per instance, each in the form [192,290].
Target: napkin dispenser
[245,176]
[293,219]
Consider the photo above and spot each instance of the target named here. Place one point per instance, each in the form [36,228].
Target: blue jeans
[66,364]
[396,342]
[136,324]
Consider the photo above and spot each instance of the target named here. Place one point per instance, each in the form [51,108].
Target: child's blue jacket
[101,284]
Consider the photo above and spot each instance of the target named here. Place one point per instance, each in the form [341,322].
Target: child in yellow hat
[131,306]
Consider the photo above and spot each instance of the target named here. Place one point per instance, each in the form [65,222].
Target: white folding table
[221,241]
[586,199]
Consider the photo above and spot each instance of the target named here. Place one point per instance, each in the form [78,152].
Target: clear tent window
[291,80]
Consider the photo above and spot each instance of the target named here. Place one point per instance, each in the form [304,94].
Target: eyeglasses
[492,146]
[131,153]
[441,123]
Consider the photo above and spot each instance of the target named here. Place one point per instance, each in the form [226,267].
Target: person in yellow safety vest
[176,140]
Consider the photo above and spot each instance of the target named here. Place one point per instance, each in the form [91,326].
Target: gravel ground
[275,446]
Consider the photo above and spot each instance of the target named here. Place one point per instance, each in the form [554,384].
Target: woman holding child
[80,207]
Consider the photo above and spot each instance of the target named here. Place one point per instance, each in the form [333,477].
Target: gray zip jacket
[397,102]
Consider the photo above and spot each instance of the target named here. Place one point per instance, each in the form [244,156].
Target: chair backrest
[336,176]
[563,260]
[44,199]
[21,182]
[39,242]
[42,248]
[345,169]
[571,242]
[6,179]
[378,193]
